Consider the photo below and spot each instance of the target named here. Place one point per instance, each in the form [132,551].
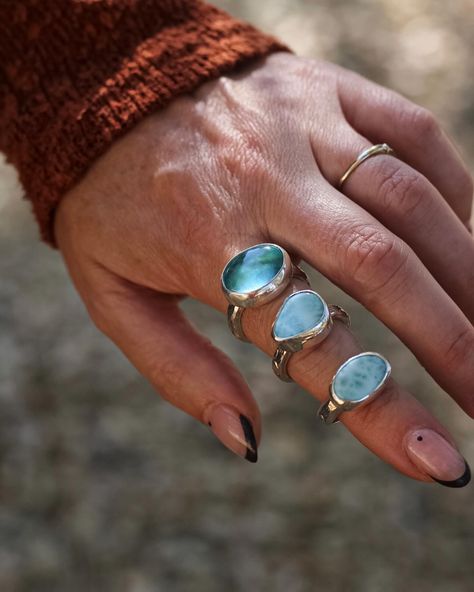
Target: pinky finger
[183,366]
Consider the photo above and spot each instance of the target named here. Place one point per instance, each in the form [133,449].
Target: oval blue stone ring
[254,277]
[304,319]
[356,383]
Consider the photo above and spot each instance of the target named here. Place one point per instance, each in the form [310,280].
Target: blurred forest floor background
[103,487]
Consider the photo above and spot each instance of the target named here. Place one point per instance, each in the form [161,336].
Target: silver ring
[304,320]
[357,382]
[254,277]
[364,155]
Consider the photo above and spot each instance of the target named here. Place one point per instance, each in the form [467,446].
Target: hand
[255,157]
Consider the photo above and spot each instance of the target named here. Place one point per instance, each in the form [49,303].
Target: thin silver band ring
[364,155]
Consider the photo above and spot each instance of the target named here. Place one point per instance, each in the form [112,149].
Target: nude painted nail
[435,456]
[234,430]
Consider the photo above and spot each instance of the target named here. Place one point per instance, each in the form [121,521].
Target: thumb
[183,366]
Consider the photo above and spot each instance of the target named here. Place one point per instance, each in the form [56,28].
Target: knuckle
[374,259]
[403,190]
[167,376]
[246,155]
[266,82]
[458,351]
[423,124]
[308,71]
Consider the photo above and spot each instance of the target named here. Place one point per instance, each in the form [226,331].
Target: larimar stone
[253,269]
[299,313]
[359,377]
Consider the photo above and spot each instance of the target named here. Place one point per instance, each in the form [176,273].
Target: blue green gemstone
[252,269]
[359,377]
[299,313]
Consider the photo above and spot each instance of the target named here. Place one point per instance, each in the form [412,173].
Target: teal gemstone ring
[304,320]
[254,277]
[356,383]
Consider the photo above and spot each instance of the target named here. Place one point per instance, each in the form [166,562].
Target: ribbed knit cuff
[72,81]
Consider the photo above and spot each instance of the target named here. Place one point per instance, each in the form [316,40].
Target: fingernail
[234,430]
[435,456]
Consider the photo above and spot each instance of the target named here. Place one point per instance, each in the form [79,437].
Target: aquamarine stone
[252,269]
[359,377]
[299,313]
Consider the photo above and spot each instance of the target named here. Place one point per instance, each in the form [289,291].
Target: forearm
[76,74]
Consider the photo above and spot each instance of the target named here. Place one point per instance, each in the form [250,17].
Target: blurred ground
[105,488]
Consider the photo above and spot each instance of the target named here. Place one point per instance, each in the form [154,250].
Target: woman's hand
[255,157]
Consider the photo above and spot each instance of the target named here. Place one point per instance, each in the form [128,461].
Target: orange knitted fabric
[76,74]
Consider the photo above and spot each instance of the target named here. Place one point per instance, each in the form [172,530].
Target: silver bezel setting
[289,345]
[316,334]
[349,405]
[267,292]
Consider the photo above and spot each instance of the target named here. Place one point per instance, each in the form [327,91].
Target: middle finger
[395,426]
[355,251]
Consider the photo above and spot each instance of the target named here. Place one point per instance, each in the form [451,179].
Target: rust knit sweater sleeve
[76,74]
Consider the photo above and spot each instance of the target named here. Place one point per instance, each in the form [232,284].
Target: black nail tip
[461,481]
[251,454]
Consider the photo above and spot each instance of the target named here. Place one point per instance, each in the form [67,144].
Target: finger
[390,425]
[409,206]
[355,251]
[184,367]
[382,115]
